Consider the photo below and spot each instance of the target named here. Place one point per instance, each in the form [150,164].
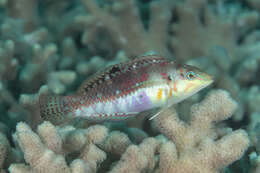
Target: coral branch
[194,148]
[130,35]
[42,153]
[36,154]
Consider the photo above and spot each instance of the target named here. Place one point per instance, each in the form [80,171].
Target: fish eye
[190,75]
[169,78]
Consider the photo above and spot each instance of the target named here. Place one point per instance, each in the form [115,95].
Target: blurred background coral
[52,46]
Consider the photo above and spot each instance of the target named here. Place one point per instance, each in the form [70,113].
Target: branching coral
[138,158]
[195,147]
[122,21]
[43,152]
[116,143]
[8,63]
[60,43]
[199,146]
[254,132]
[30,16]
[215,27]
[219,25]
[255,161]
[8,154]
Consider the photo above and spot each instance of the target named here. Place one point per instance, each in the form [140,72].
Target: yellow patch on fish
[188,87]
[159,94]
[175,86]
[170,94]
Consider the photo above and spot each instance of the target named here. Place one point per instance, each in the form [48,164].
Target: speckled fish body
[123,90]
[126,89]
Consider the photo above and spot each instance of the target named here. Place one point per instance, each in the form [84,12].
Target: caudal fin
[53,108]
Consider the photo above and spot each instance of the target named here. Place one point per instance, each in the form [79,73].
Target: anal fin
[111,117]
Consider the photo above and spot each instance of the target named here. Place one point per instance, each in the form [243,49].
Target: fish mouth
[203,85]
[208,80]
[206,84]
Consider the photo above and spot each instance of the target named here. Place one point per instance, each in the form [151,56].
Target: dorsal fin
[115,70]
[99,77]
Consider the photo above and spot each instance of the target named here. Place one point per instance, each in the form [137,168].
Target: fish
[124,90]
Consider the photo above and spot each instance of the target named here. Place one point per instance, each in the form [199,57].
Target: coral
[255,159]
[116,143]
[255,4]
[199,145]
[8,154]
[254,131]
[253,99]
[122,22]
[43,59]
[9,64]
[51,47]
[138,158]
[195,147]
[48,147]
[257,134]
[211,28]
[30,103]
[57,81]
[30,15]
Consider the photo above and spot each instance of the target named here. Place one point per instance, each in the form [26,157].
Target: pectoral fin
[160,111]
[157,113]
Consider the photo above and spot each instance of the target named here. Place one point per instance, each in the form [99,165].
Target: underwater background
[52,46]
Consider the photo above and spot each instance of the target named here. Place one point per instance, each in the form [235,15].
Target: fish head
[187,80]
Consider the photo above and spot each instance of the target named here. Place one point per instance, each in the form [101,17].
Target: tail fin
[53,108]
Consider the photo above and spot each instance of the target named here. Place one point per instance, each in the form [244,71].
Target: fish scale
[126,89]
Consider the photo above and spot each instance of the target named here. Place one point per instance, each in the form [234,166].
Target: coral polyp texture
[51,47]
